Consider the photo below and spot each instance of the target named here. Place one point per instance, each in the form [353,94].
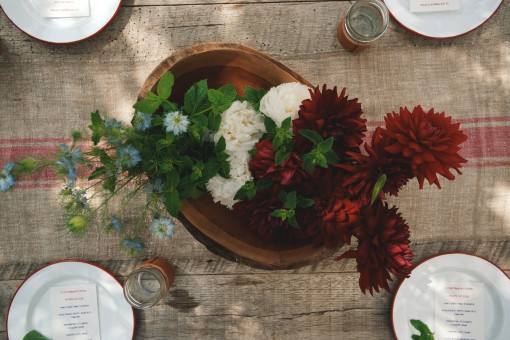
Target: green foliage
[35,335]
[254,96]
[425,333]
[321,154]
[378,187]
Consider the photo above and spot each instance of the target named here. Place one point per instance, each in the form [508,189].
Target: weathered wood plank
[154,31]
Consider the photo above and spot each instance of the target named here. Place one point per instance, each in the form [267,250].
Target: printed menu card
[459,311]
[434,5]
[75,313]
[64,8]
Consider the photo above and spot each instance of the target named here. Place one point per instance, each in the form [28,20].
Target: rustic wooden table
[47,90]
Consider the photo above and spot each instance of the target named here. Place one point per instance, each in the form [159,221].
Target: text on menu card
[434,5]
[459,311]
[75,314]
[64,8]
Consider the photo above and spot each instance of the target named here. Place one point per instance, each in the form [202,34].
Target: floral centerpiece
[291,160]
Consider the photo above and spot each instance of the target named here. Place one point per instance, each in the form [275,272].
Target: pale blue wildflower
[115,223]
[163,227]
[66,163]
[176,122]
[142,121]
[6,179]
[128,156]
[133,246]
[79,197]
[157,187]
[112,123]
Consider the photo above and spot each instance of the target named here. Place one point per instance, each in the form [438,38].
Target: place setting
[61,22]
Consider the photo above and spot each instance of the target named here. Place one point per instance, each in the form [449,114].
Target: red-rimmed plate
[415,296]
[25,15]
[445,24]
[30,307]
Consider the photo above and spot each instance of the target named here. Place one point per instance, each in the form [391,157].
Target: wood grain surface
[48,90]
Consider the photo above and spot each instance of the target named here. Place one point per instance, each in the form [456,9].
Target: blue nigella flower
[142,121]
[79,197]
[117,226]
[176,122]
[163,227]
[134,246]
[112,123]
[128,156]
[6,179]
[66,166]
[155,189]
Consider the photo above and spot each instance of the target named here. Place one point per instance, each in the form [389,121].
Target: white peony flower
[242,127]
[283,101]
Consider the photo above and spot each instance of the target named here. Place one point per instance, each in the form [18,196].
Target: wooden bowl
[219,229]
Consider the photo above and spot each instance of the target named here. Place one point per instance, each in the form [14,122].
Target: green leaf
[421,327]
[149,104]
[110,183]
[35,335]
[199,119]
[312,135]
[378,187]
[332,157]
[287,123]
[168,106]
[304,202]
[280,213]
[195,99]
[254,96]
[173,202]
[221,145]
[415,337]
[321,161]
[222,98]
[96,127]
[214,121]
[308,162]
[293,222]
[165,84]
[97,173]
[281,155]
[325,145]
[291,200]
[264,184]
[270,126]
[172,178]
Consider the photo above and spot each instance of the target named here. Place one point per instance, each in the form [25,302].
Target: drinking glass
[364,23]
[148,283]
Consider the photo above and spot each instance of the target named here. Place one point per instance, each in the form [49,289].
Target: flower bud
[77,223]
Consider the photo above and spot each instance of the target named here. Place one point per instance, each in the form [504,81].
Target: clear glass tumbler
[148,283]
[364,23]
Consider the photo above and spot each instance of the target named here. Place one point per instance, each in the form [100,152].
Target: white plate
[30,308]
[446,24]
[25,15]
[414,298]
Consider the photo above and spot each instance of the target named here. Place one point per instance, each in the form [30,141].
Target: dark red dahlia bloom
[257,212]
[337,217]
[368,168]
[262,165]
[429,140]
[383,247]
[331,115]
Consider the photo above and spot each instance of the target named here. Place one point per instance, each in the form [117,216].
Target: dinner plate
[30,307]
[414,298]
[25,15]
[444,24]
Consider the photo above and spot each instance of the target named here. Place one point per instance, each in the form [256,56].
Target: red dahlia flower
[262,165]
[337,216]
[257,212]
[429,140]
[364,175]
[331,115]
[383,247]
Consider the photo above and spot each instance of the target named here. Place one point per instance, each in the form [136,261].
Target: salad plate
[30,308]
[28,16]
[443,24]
[415,296]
